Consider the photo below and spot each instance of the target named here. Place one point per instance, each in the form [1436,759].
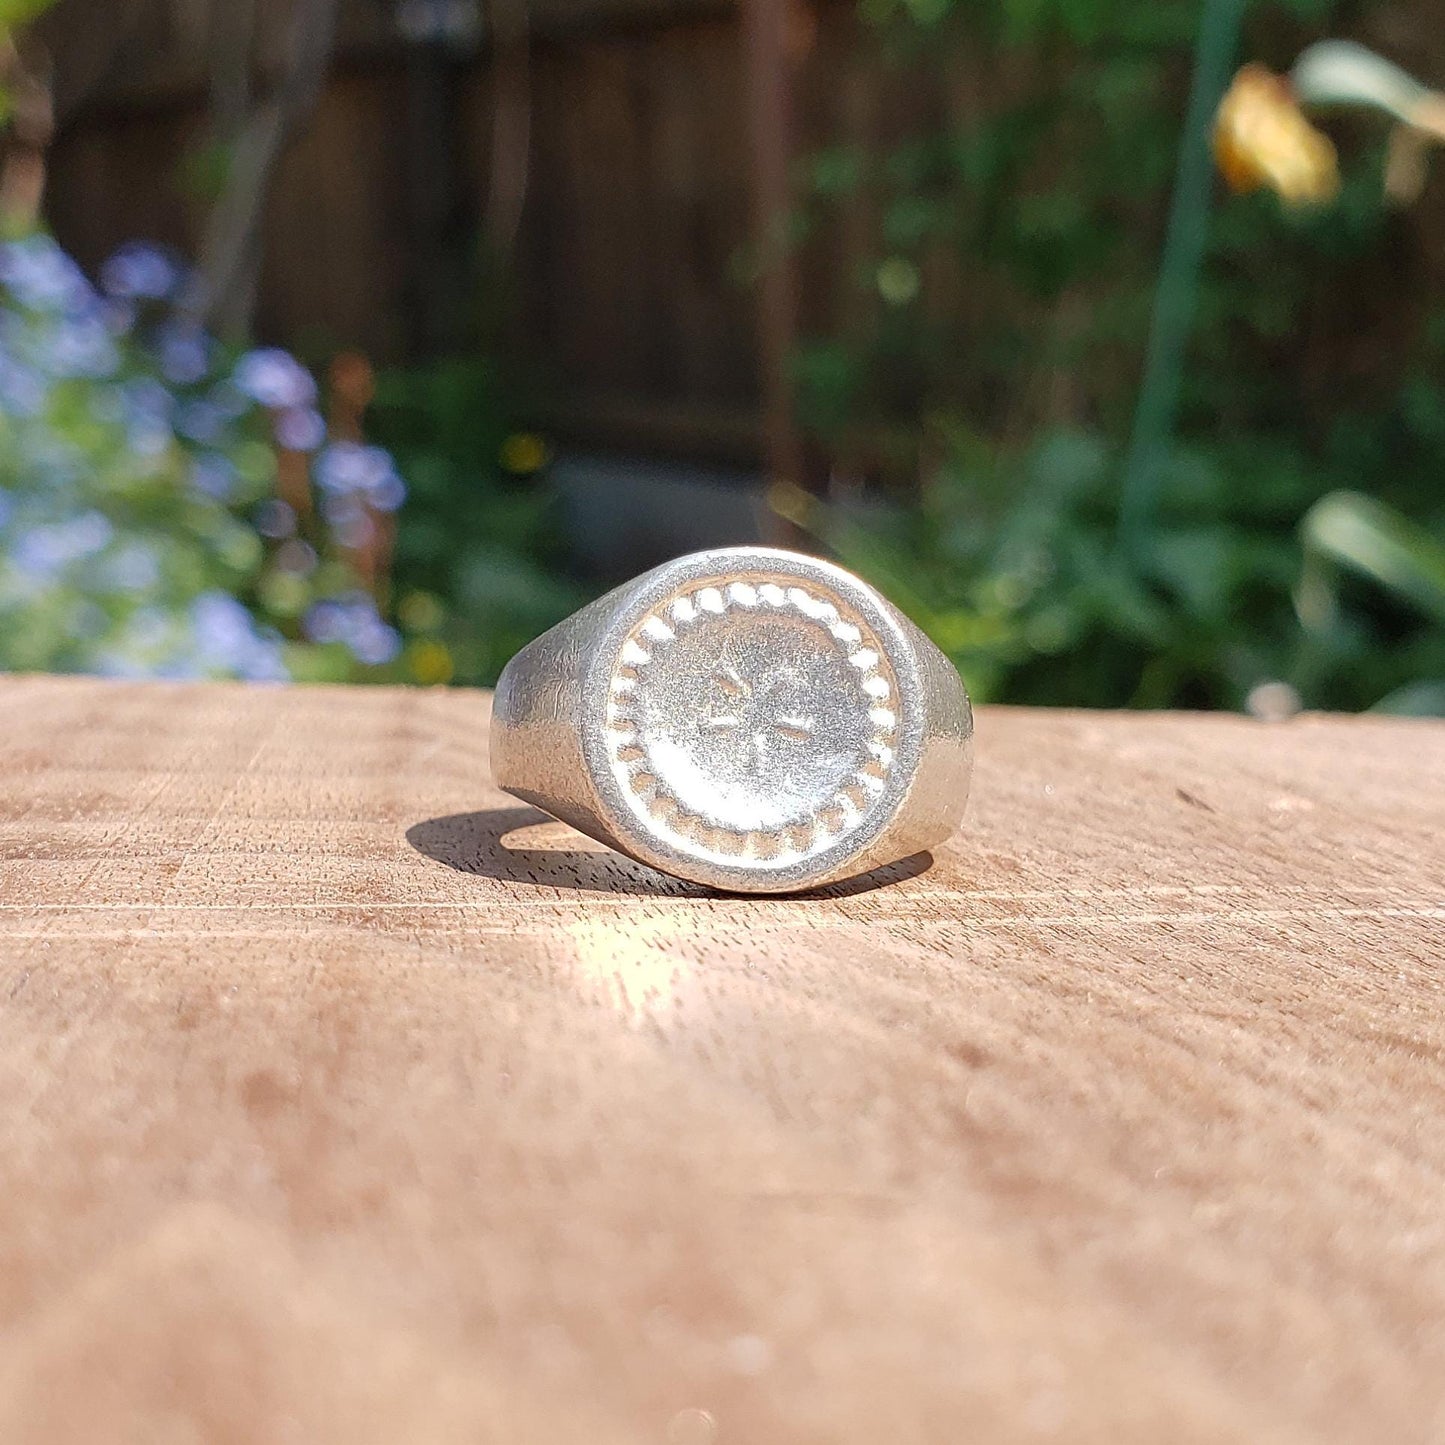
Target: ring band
[745,718]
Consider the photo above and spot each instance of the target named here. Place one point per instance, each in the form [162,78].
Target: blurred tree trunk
[511,124]
[253,134]
[25,82]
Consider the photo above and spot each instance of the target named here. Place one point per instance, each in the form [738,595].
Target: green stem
[1179,271]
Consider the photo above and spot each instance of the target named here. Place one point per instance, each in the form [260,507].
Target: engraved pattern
[752,718]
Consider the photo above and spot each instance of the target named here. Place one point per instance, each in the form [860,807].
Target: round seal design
[752,719]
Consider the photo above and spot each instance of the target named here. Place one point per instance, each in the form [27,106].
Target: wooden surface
[344,1100]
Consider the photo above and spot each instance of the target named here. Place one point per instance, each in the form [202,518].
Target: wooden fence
[637,133]
[622,282]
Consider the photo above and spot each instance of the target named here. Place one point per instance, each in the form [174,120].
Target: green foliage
[993,414]
[476,548]
[1362,535]
[1009,563]
[14,14]
[22,12]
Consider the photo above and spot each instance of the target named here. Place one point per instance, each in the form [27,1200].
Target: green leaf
[837,172]
[1067,464]
[1084,21]
[898,280]
[1415,699]
[1194,563]
[910,220]
[928,12]
[1341,72]
[1367,537]
[22,12]
[1024,20]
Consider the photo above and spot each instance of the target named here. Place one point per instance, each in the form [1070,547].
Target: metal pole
[1178,276]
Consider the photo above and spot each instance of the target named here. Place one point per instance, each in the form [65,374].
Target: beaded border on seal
[852,802]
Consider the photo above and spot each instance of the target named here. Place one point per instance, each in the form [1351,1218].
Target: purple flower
[214,476]
[148,408]
[347,518]
[275,518]
[44,552]
[347,467]
[220,623]
[350,470]
[325,622]
[201,421]
[140,271]
[42,277]
[274,378]
[227,641]
[78,346]
[389,493]
[353,620]
[184,354]
[148,436]
[376,645]
[300,429]
[118,316]
[178,669]
[22,392]
[34,554]
[146,399]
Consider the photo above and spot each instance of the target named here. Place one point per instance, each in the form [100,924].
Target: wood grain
[344,1100]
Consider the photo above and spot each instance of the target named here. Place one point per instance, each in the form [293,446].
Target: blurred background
[364,339]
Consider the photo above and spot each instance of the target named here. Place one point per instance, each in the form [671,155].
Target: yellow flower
[898,281]
[523,453]
[430,661]
[1262,138]
[789,501]
[421,612]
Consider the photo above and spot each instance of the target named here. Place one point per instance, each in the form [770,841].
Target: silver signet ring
[746,718]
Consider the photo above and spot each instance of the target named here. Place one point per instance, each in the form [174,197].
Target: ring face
[755,722]
[751,719]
